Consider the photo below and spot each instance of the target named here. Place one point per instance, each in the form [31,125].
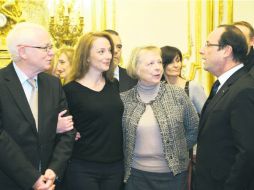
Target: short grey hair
[20,35]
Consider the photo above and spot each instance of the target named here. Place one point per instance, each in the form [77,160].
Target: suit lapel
[211,104]
[17,92]
[120,73]
[42,98]
[122,79]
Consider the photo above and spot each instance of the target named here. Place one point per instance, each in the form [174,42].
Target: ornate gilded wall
[201,18]
[17,11]
[99,15]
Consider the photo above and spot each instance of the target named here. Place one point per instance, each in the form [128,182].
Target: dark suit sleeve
[125,81]
[242,122]
[64,142]
[13,162]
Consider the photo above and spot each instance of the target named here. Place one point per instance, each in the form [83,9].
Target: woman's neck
[147,93]
[94,81]
[176,80]
[172,79]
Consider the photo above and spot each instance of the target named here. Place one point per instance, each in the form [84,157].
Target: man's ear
[228,51]
[22,52]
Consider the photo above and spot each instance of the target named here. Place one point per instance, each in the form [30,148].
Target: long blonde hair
[80,64]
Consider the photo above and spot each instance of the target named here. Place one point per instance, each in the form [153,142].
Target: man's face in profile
[118,48]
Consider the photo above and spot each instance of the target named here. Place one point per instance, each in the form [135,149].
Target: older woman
[159,126]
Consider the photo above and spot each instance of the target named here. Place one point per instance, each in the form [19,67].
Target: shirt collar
[21,75]
[116,73]
[225,76]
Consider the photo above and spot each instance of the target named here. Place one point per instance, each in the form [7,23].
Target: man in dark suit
[225,150]
[125,81]
[248,32]
[32,155]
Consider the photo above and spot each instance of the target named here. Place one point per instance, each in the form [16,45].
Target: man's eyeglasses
[208,44]
[46,48]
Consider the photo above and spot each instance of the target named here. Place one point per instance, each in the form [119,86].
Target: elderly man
[32,154]
[225,151]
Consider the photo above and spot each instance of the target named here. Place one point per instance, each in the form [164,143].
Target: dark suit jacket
[125,81]
[225,152]
[22,148]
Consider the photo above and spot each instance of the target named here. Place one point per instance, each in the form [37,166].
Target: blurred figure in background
[125,81]
[172,64]
[248,32]
[62,63]
[160,125]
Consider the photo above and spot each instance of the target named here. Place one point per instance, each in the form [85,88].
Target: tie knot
[32,82]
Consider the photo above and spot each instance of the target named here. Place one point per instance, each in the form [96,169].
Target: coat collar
[136,98]
[211,104]
[16,90]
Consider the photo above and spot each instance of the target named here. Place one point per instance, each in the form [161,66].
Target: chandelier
[66,21]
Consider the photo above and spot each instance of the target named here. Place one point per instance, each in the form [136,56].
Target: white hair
[21,34]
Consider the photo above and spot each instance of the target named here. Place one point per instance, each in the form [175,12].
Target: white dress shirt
[23,80]
[225,76]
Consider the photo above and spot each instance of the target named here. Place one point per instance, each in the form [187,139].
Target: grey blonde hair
[134,59]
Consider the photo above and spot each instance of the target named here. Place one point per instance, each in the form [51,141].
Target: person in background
[63,62]
[125,81]
[160,125]
[32,104]
[172,64]
[225,151]
[94,101]
[248,32]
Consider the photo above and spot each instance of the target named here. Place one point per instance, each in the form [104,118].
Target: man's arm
[14,163]
[242,122]
[64,142]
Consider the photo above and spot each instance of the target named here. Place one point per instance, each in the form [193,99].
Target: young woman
[96,107]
